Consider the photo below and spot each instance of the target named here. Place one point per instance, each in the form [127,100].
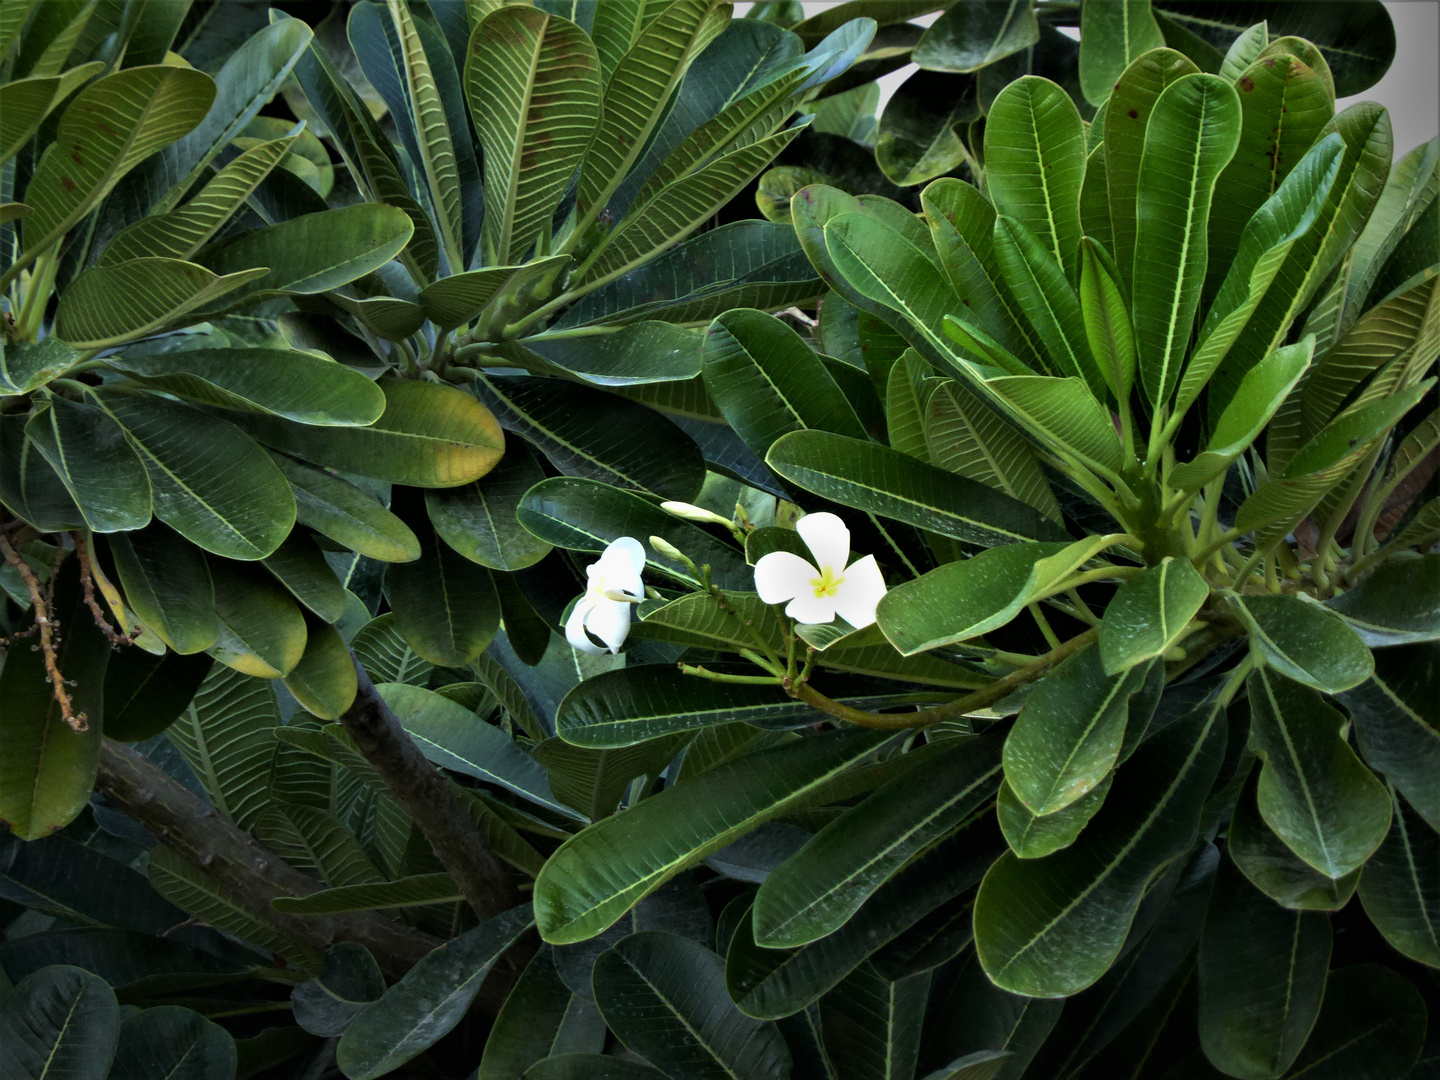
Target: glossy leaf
[1032,837]
[1149,613]
[968,37]
[167,585]
[1192,135]
[428,1001]
[347,515]
[349,980]
[1305,642]
[292,384]
[1069,732]
[541,1021]
[430,435]
[112,304]
[1078,903]
[61,1021]
[89,453]
[323,680]
[1035,163]
[583,889]
[1371,1025]
[883,481]
[262,631]
[445,606]
[1314,792]
[48,768]
[872,1025]
[917,137]
[1112,36]
[632,355]
[664,997]
[817,889]
[1397,726]
[1262,977]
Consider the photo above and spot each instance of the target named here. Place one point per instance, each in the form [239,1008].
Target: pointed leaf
[1400,886]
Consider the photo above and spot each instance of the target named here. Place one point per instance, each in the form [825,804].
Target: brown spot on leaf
[1134,114]
[77,159]
[67,184]
[1246,83]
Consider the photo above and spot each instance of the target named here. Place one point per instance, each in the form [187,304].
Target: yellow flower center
[828,583]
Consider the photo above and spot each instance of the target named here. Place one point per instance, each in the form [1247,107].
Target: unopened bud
[670,551]
[695,513]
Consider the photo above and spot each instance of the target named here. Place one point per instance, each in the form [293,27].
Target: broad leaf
[262,631]
[873,1024]
[1305,641]
[167,585]
[1032,837]
[1149,613]
[428,1001]
[1372,1023]
[664,997]
[1400,886]
[479,520]
[172,1042]
[1112,36]
[968,37]
[112,304]
[445,606]
[1397,726]
[1314,792]
[59,1022]
[226,735]
[541,1021]
[583,889]
[89,453]
[1276,870]
[347,515]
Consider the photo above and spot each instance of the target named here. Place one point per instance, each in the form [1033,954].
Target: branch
[250,875]
[432,805]
[978,699]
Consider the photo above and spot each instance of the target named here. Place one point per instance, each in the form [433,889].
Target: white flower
[614,585]
[818,592]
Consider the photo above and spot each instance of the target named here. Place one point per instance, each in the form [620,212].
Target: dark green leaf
[1112,36]
[167,585]
[1400,886]
[145,693]
[1397,724]
[60,1022]
[88,451]
[445,605]
[968,37]
[1149,613]
[1398,603]
[1370,1028]
[349,980]
[540,1020]
[174,1043]
[1305,641]
[872,1026]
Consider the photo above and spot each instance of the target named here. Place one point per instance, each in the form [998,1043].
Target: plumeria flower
[818,592]
[614,585]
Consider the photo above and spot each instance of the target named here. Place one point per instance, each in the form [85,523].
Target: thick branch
[250,875]
[432,805]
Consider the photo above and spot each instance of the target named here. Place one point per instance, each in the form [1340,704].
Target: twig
[48,635]
[978,699]
[426,794]
[87,580]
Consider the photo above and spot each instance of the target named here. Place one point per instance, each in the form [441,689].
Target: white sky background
[1410,90]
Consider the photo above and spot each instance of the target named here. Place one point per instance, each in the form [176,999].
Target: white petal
[782,575]
[609,621]
[807,607]
[828,539]
[575,625]
[858,594]
[618,569]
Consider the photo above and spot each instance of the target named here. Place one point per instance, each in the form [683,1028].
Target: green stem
[720,676]
[1044,624]
[971,702]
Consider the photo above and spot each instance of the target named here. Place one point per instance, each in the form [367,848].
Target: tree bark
[484,880]
[250,874]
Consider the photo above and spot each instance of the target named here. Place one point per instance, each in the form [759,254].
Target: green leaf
[532,81]
[48,767]
[346,514]
[296,385]
[963,435]
[24,103]
[27,365]
[421,889]
[637,93]
[313,253]
[1261,393]
[822,885]
[454,738]
[1050,927]
[962,600]
[968,37]
[1069,733]
[1042,290]
[1396,724]
[317,842]
[300,566]
[182,232]
[1035,163]
[1276,870]
[587,432]
[433,134]
[226,735]
[1358,41]
[882,481]
[430,435]
[768,382]
[323,680]
[145,693]
[479,520]
[584,888]
[112,304]
[1304,641]
[664,997]
[31,489]
[1400,886]
[916,138]
[88,451]
[703,620]
[594,781]
[262,632]
[1107,318]
[445,606]
[590,1067]
[1371,1024]
[59,1022]
[620,356]
[349,980]
[1284,105]
[173,1042]
[1127,117]
[1112,36]
[586,515]
[873,1024]
[167,585]
[428,1001]
[1314,792]
[540,1021]
[1031,837]
[107,129]
[1192,135]
[635,704]
[1149,613]
[209,482]
[1262,976]
[1397,604]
